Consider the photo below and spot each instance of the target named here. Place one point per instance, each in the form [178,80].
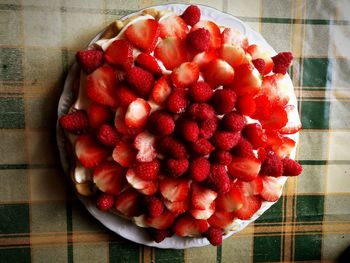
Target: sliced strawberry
[230,201]
[251,204]
[185,74]
[145,143]
[161,90]
[151,189]
[125,94]
[174,189]
[143,34]
[272,188]
[149,63]
[221,219]
[215,35]
[233,55]
[164,221]
[119,53]
[89,152]
[218,72]
[254,133]
[276,88]
[186,225]
[244,168]
[256,53]
[171,51]
[281,145]
[173,26]
[98,114]
[119,123]
[201,197]
[109,177]
[203,213]
[101,86]
[246,105]
[253,187]
[263,107]
[177,207]
[124,154]
[137,113]
[136,181]
[128,203]
[293,125]
[234,37]
[202,59]
[277,120]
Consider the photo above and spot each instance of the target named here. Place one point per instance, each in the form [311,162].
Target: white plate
[124,227]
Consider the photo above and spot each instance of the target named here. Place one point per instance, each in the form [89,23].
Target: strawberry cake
[179,126]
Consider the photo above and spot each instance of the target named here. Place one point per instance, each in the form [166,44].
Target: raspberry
[199,169]
[208,127]
[108,136]
[75,122]
[218,179]
[105,201]
[254,133]
[281,62]
[172,148]
[291,167]
[141,80]
[177,167]
[223,101]
[148,170]
[161,123]
[259,64]
[154,207]
[214,235]
[272,165]
[202,146]
[199,39]
[191,15]
[243,149]
[201,111]
[158,235]
[89,60]
[261,154]
[233,122]
[200,92]
[177,101]
[221,157]
[225,140]
[188,130]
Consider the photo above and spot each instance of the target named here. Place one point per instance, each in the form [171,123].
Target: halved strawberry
[256,53]
[119,53]
[171,51]
[202,59]
[164,221]
[277,120]
[244,168]
[218,72]
[230,201]
[145,143]
[221,219]
[215,35]
[254,133]
[276,88]
[161,90]
[234,37]
[173,26]
[89,152]
[293,125]
[136,181]
[263,107]
[128,203]
[177,207]
[119,123]
[281,145]
[186,225]
[251,204]
[98,114]
[137,113]
[174,189]
[124,154]
[151,189]
[272,188]
[253,187]
[201,197]
[233,55]
[185,74]
[101,86]
[246,105]
[203,213]
[125,94]
[109,177]
[143,34]
[149,63]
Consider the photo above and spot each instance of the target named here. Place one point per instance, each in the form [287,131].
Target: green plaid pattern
[42,221]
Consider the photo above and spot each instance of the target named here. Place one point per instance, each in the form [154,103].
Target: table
[42,221]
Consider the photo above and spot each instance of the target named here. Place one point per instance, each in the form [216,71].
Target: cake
[180,125]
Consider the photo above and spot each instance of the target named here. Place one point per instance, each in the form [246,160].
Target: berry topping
[259,64]
[171,51]
[199,39]
[75,122]
[223,101]
[244,168]
[200,92]
[125,94]
[233,122]
[218,179]
[145,144]
[173,26]
[119,53]
[161,123]
[172,147]
[214,235]
[158,235]
[225,140]
[148,170]
[246,105]
[208,127]
[215,37]
[141,80]
[202,147]
[124,154]
[174,189]
[291,167]
[272,165]
[176,167]
[177,101]
[199,169]
[105,202]
[154,206]
[233,55]
[221,157]
[191,15]
[243,148]
[218,72]
[137,113]
[201,111]
[185,74]
[161,90]
[189,226]
[149,63]
[107,135]
[98,114]
[282,62]
[89,60]
[189,130]
[109,177]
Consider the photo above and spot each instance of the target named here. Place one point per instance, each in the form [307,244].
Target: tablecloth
[41,220]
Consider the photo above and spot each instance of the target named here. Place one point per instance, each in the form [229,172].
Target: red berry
[75,122]
[259,64]
[171,147]
[254,133]
[214,235]
[149,63]
[221,157]
[201,111]
[281,62]
[202,146]
[261,154]
[158,235]
[191,15]
[177,101]
[272,165]
[108,136]
[125,94]
[233,122]
[148,170]
[218,179]
[141,80]
[246,104]
[98,114]
[223,101]
[89,60]
[189,130]
[154,206]
[105,201]
[120,53]
[200,91]
[199,169]
[225,140]
[161,123]
[243,148]
[199,39]
[291,167]
[177,167]
[208,127]
[263,108]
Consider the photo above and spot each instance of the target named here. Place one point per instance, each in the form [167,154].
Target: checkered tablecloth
[42,221]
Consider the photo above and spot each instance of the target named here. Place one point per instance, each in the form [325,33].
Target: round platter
[128,229]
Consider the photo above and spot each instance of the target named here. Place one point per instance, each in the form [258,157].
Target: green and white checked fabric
[42,221]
